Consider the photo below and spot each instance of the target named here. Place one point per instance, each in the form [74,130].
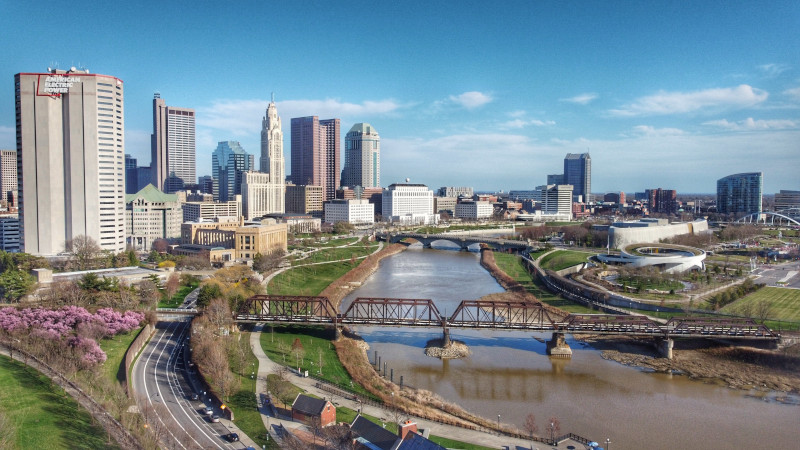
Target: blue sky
[485,94]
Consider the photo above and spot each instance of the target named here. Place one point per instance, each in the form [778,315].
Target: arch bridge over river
[501,315]
[462,241]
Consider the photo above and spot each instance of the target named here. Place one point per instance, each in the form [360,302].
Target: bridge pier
[557,347]
[446,343]
[664,347]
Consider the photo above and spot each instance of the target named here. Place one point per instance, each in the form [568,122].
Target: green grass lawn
[336,254]
[512,265]
[115,349]
[178,298]
[42,414]
[308,280]
[314,339]
[785,302]
[561,259]
[336,242]
[451,443]
[244,403]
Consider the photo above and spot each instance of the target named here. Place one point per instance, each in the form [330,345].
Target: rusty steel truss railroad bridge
[513,315]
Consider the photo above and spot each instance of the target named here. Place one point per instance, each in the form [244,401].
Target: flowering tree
[73,326]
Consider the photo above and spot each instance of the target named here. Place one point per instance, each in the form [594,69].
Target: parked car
[232,437]
[214,419]
[208,411]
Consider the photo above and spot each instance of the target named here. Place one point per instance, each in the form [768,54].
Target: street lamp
[552,431]
[498,422]
[608,443]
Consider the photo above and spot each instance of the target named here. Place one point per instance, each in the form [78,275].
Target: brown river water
[509,373]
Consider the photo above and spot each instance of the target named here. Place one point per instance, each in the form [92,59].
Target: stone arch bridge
[463,242]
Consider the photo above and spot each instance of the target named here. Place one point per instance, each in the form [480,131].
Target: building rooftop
[152,194]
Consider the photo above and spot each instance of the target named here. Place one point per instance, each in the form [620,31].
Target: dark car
[195,397]
[232,437]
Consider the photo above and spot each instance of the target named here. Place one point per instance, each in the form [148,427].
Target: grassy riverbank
[39,414]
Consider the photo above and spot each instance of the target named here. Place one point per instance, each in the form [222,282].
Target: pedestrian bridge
[463,242]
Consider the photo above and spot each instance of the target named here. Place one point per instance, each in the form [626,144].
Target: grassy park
[561,259]
[115,348]
[243,403]
[316,348]
[512,265]
[41,415]
[784,303]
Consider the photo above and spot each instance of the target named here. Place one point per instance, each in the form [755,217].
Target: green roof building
[149,215]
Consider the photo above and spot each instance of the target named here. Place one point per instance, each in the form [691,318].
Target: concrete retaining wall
[130,355]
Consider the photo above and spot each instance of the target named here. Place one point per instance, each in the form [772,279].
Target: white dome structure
[670,258]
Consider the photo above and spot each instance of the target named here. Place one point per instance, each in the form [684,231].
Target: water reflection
[509,373]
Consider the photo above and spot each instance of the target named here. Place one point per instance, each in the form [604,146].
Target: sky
[492,95]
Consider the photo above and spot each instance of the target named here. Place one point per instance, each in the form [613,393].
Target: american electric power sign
[55,85]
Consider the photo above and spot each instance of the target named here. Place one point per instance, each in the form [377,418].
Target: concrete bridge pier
[446,343]
[664,347]
[557,347]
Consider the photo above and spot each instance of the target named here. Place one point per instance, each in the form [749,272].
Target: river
[509,373]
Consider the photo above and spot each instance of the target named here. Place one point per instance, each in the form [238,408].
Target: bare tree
[320,352]
[84,251]
[339,437]
[219,314]
[764,309]
[172,285]
[554,427]
[298,351]
[283,347]
[530,425]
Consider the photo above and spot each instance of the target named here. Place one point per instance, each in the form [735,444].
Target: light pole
[608,443]
[552,431]
[498,422]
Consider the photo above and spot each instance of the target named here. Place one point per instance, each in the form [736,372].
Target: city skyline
[659,94]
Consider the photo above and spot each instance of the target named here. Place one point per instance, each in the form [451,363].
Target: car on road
[195,397]
[213,419]
[232,437]
[207,411]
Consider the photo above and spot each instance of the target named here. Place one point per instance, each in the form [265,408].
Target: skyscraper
[578,173]
[315,153]
[228,163]
[172,145]
[740,193]
[362,157]
[8,174]
[70,147]
[272,159]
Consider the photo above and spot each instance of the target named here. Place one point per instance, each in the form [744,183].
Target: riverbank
[744,368]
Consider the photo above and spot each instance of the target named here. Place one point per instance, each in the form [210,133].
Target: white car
[213,419]
[208,411]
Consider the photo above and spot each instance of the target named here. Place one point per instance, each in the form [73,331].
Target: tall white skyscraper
[71,151]
[172,146]
[362,157]
[272,158]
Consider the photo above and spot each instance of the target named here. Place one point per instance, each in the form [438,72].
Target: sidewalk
[267,366]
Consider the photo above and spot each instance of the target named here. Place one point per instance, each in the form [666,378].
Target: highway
[164,390]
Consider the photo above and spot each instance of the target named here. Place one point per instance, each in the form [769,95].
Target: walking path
[267,366]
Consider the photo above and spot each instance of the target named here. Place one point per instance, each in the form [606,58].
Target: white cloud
[647,130]
[517,113]
[794,93]
[773,70]
[243,117]
[750,124]
[471,99]
[522,123]
[662,103]
[581,99]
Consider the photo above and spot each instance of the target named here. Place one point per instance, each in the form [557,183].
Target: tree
[207,293]
[554,427]
[298,351]
[343,227]
[160,245]
[15,284]
[530,425]
[172,285]
[84,251]
[148,293]
[219,314]
[283,348]
[764,309]
[265,263]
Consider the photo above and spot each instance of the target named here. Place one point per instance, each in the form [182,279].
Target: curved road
[164,389]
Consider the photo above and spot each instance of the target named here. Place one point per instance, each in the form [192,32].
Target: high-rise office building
[8,174]
[229,162]
[70,151]
[740,193]
[131,175]
[315,153]
[362,157]
[272,160]
[172,145]
[663,201]
[578,173]
[258,195]
[784,200]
